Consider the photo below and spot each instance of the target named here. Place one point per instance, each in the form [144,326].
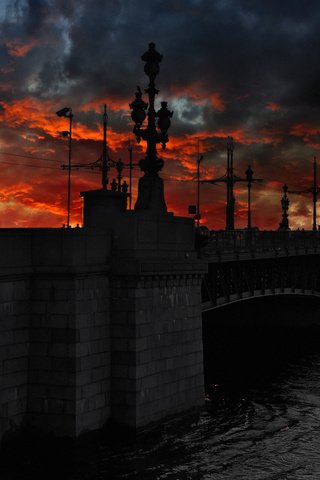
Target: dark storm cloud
[250,52]
[241,67]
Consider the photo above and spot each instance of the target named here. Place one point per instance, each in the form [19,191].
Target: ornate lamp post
[284,225]
[150,189]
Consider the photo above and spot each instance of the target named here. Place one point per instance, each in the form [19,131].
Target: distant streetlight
[67,112]
[284,225]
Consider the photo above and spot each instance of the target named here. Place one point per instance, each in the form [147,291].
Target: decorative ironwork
[236,280]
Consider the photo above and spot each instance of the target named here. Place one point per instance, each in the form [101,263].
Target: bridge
[103,323]
[250,263]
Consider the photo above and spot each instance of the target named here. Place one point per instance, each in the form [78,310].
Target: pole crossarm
[314,189]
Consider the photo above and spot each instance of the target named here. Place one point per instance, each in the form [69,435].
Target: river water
[261,418]
[262,415]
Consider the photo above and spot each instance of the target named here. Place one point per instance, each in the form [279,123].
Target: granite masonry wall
[54,330]
[69,369]
[14,350]
[157,359]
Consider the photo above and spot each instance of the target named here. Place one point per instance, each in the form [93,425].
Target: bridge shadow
[250,343]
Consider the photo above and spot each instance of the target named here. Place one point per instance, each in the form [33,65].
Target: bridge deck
[243,265]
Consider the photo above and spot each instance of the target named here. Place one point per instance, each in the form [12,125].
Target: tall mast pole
[314,226]
[69,166]
[228,186]
[104,151]
[130,177]
[198,181]
[249,178]
[231,188]
[230,181]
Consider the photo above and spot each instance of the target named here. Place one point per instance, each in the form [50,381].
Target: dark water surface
[261,419]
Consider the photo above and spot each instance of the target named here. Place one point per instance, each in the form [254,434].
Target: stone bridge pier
[156,324]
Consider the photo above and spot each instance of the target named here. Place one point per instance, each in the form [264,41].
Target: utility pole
[230,182]
[67,112]
[199,160]
[130,176]
[250,180]
[104,151]
[230,179]
[249,176]
[314,190]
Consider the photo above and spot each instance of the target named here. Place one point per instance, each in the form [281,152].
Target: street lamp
[67,112]
[150,189]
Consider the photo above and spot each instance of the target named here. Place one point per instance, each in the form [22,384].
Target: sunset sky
[249,69]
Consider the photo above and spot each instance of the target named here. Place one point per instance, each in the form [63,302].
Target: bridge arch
[234,280]
[222,302]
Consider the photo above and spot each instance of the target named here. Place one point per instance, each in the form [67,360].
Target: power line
[36,166]
[28,165]
[29,156]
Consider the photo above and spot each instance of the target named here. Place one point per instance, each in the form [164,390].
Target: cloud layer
[230,67]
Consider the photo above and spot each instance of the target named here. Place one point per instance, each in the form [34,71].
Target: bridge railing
[222,242]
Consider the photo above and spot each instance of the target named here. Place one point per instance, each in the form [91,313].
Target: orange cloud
[273,106]
[304,130]
[17,48]
[114,104]
[40,115]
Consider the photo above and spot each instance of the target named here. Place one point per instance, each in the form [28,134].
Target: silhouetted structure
[250,180]
[150,189]
[105,166]
[314,190]
[67,112]
[230,179]
[284,224]
[105,163]
[249,177]
[199,160]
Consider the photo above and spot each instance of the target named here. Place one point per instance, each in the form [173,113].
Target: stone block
[100,400]
[15,365]
[99,373]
